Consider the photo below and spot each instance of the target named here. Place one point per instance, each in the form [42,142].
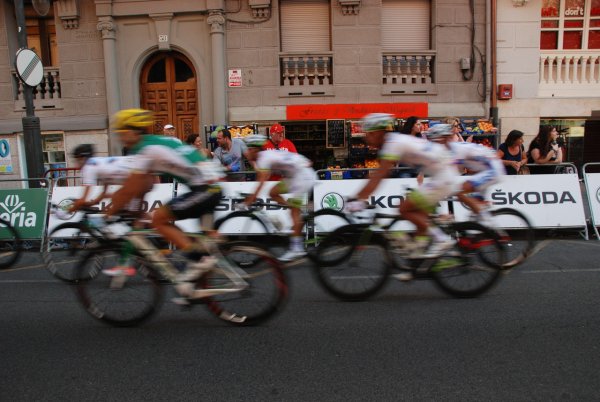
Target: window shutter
[304,26]
[405,25]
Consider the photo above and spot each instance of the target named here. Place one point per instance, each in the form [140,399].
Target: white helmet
[378,121]
[438,131]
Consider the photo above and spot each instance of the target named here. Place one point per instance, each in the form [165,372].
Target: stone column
[107,26]
[216,20]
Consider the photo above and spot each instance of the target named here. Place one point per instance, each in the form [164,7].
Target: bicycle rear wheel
[10,245]
[120,301]
[353,263]
[519,240]
[462,271]
[266,290]
[63,249]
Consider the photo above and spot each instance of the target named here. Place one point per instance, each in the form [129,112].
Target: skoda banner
[25,210]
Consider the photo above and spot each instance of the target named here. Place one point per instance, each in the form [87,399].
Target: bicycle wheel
[518,238]
[318,225]
[462,272]
[353,263]
[10,245]
[242,224]
[117,300]
[265,294]
[62,252]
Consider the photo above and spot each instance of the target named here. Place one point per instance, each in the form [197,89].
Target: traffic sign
[29,67]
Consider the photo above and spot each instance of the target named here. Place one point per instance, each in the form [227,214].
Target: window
[570,24]
[304,26]
[41,35]
[405,25]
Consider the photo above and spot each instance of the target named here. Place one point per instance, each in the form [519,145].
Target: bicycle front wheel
[63,249]
[518,238]
[462,272]
[353,263]
[262,294]
[10,245]
[123,300]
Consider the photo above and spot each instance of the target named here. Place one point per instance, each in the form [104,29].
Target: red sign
[354,111]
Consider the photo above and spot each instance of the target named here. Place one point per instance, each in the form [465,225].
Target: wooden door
[168,88]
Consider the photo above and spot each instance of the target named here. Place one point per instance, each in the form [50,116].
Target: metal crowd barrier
[553,168]
[592,189]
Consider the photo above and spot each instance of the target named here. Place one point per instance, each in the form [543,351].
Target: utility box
[505,91]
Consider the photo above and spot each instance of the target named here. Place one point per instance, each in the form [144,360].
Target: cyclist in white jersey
[481,162]
[432,159]
[104,171]
[298,180]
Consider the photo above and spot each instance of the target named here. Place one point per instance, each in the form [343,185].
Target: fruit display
[474,127]
[241,131]
[371,163]
[484,141]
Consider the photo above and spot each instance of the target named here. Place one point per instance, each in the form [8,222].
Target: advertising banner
[592,183]
[25,209]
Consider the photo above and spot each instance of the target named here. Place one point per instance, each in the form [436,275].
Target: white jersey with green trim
[160,154]
[415,152]
[106,170]
[286,164]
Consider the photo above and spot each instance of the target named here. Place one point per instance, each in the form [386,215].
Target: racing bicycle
[355,261]
[239,295]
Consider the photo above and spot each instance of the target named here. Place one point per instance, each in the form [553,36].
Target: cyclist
[298,179]
[433,159]
[103,171]
[165,155]
[480,161]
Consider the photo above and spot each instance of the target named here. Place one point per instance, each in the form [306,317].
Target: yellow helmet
[132,118]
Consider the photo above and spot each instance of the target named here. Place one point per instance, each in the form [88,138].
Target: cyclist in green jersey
[167,156]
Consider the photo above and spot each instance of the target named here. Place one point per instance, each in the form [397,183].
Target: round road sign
[29,67]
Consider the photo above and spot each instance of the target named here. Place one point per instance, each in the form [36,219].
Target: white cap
[169,126]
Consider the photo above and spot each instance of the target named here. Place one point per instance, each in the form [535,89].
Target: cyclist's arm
[100,197]
[384,169]
[81,202]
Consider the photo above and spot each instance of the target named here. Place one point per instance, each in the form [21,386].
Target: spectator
[169,130]
[413,126]
[230,151]
[457,128]
[277,140]
[195,141]
[512,152]
[544,150]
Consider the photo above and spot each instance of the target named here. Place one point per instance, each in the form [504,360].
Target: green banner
[25,210]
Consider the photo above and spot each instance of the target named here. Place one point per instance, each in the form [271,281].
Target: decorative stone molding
[162,22]
[108,27]
[350,6]
[216,20]
[260,8]
[68,12]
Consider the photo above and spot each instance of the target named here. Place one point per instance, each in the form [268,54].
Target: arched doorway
[168,88]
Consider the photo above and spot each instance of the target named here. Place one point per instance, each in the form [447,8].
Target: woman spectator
[457,129]
[512,152]
[544,150]
[196,141]
[413,126]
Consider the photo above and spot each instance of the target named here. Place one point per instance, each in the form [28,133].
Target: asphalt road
[534,337]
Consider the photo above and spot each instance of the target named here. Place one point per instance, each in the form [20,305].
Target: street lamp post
[31,123]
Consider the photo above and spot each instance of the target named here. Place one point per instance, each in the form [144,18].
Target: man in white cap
[169,130]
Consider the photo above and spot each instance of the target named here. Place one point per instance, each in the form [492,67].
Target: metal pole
[31,124]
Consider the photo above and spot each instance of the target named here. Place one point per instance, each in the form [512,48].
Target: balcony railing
[569,73]
[306,74]
[409,72]
[45,96]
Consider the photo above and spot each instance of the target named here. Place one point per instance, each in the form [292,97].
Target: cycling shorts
[199,201]
[435,190]
[298,186]
[482,180]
